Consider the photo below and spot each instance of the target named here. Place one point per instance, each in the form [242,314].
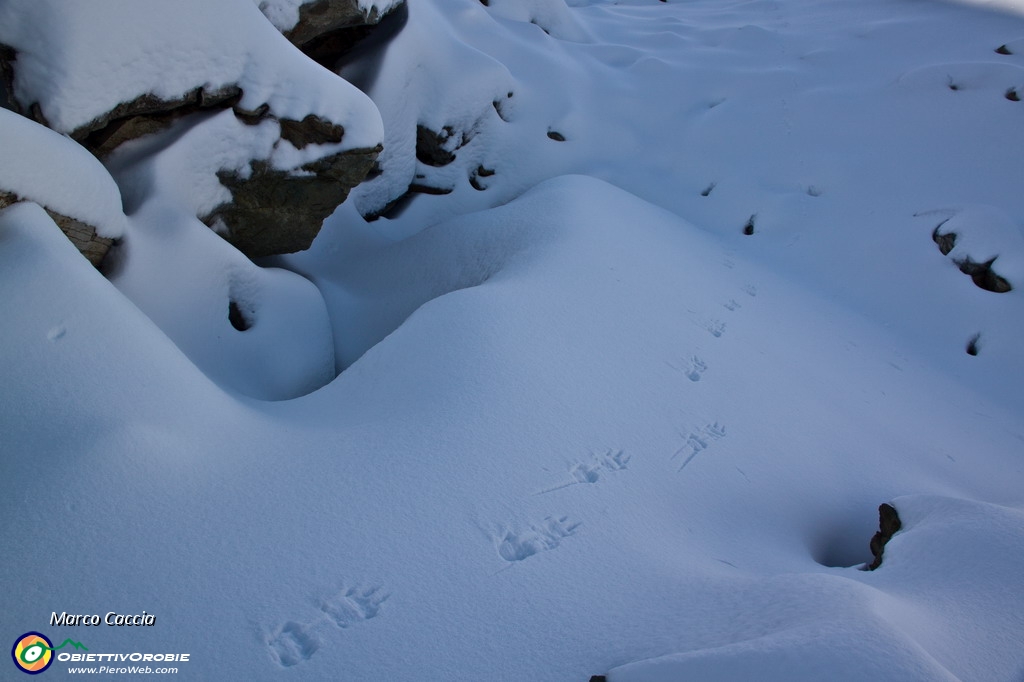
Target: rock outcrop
[82,235]
[327,29]
[888,524]
[982,274]
[267,199]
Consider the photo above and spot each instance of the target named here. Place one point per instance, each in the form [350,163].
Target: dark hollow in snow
[556,136]
[838,538]
[972,344]
[1003,49]
[237,318]
[748,229]
[1012,95]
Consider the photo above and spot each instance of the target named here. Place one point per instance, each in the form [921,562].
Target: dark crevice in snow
[1003,49]
[973,344]
[237,318]
[708,190]
[499,107]
[331,48]
[362,60]
[480,172]
[748,229]
[7,57]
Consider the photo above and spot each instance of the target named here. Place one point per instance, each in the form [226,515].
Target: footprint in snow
[354,606]
[699,441]
[516,546]
[592,471]
[695,370]
[293,644]
[296,642]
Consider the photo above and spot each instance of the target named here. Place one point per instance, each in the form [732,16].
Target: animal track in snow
[591,472]
[716,328]
[517,546]
[695,370]
[353,606]
[294,644]
[750,290]
[732,305]
[297,642]
[699,441]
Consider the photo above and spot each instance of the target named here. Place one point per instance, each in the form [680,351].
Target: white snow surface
[586,425]
[47,168]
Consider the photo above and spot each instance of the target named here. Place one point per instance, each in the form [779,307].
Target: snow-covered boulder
[109,72]
[54,172]
[325,29]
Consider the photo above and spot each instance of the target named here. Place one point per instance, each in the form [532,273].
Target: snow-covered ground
[587,424]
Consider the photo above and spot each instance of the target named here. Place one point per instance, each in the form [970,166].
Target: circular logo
[32,653]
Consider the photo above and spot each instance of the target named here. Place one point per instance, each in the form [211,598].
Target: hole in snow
[708,190]
[972,344]
[1003,49]
[748,229]
[237,318]
[1012,95]
[845,542]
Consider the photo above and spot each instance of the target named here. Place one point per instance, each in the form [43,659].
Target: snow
[585,425]
[49,169]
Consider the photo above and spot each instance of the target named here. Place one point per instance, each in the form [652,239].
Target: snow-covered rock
[110,72]
[326,29]
[76,190]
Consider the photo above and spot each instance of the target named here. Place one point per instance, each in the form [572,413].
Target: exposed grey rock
[435,148]
[321,17]
[274,212]
[981,274]
[327,29]
[888,524]
[82,235]
[311,130]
